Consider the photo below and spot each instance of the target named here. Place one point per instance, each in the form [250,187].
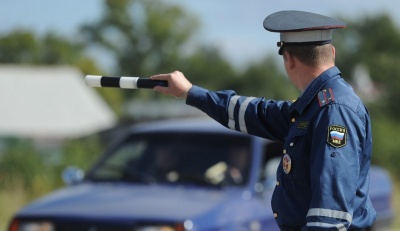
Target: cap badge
[286,163]
[337,136]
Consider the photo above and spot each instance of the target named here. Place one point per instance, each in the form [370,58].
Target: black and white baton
[123,82]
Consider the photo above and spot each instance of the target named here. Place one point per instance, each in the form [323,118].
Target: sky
[232,25]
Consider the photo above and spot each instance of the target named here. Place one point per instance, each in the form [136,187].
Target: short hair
[311,55]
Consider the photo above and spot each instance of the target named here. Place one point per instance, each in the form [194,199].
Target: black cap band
[282,44]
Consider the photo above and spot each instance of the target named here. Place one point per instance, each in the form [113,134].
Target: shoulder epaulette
[325,96]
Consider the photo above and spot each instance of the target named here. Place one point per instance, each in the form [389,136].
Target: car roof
[183,125]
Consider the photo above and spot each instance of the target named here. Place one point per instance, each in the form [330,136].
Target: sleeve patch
[337,136]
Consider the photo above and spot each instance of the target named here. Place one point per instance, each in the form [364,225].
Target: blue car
[176,176]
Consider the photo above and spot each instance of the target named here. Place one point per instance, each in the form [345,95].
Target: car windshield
[177,158]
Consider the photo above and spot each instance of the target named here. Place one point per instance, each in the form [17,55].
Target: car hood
[129,201]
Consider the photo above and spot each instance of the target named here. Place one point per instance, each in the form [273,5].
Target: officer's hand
[178,85]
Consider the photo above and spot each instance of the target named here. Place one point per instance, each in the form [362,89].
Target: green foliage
[82,152]
[24,47]
[207,68]
[19,47]
[266,80]
[28,171]
[376,49]
[143,36]
[38,170]
[20,164]
[141,43]
[386,144]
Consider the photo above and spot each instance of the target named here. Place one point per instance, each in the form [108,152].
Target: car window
[178,158]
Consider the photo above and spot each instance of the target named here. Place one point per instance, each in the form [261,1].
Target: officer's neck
[306,74]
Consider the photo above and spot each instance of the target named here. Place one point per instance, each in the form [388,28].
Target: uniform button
[275,215]
[293,120]
[277,183]
[291,144]
[284,151]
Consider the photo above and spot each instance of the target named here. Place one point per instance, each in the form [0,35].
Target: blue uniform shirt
[323,178]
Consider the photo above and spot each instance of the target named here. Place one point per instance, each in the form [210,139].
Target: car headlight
[155,228]
[31,226]
[186,226]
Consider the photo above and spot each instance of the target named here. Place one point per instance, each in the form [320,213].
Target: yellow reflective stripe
[231,109]
[242,112]
[330,213]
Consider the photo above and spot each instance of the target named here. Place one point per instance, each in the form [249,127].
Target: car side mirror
[72,175]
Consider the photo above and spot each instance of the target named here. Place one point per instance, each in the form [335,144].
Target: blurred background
[49,119]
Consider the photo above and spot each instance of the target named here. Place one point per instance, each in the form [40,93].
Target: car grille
[92,227]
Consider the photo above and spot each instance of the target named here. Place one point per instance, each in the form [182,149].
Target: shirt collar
[313,88]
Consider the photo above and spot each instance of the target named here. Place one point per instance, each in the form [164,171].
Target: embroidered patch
[337,136]
[286,163]
[302,124]
[325,96]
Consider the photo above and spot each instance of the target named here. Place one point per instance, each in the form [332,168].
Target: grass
[11,200]
[396,206]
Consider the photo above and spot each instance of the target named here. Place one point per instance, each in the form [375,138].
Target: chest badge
[286,163]
[302,125]
[337,136]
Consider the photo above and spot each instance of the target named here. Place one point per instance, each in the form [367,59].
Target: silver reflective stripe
[340,227]
[231,110]
[330,213]
[242,111]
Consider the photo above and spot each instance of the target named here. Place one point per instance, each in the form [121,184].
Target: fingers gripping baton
[123,82]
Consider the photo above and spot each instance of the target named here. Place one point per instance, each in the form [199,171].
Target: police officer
[323,177]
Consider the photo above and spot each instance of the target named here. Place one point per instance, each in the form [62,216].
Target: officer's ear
[333,52]
[289,59]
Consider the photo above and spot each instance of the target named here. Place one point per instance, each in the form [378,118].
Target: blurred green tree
[208,68]
[266,79]
[24,47]
[144,37]
[19,47]
[373,42]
